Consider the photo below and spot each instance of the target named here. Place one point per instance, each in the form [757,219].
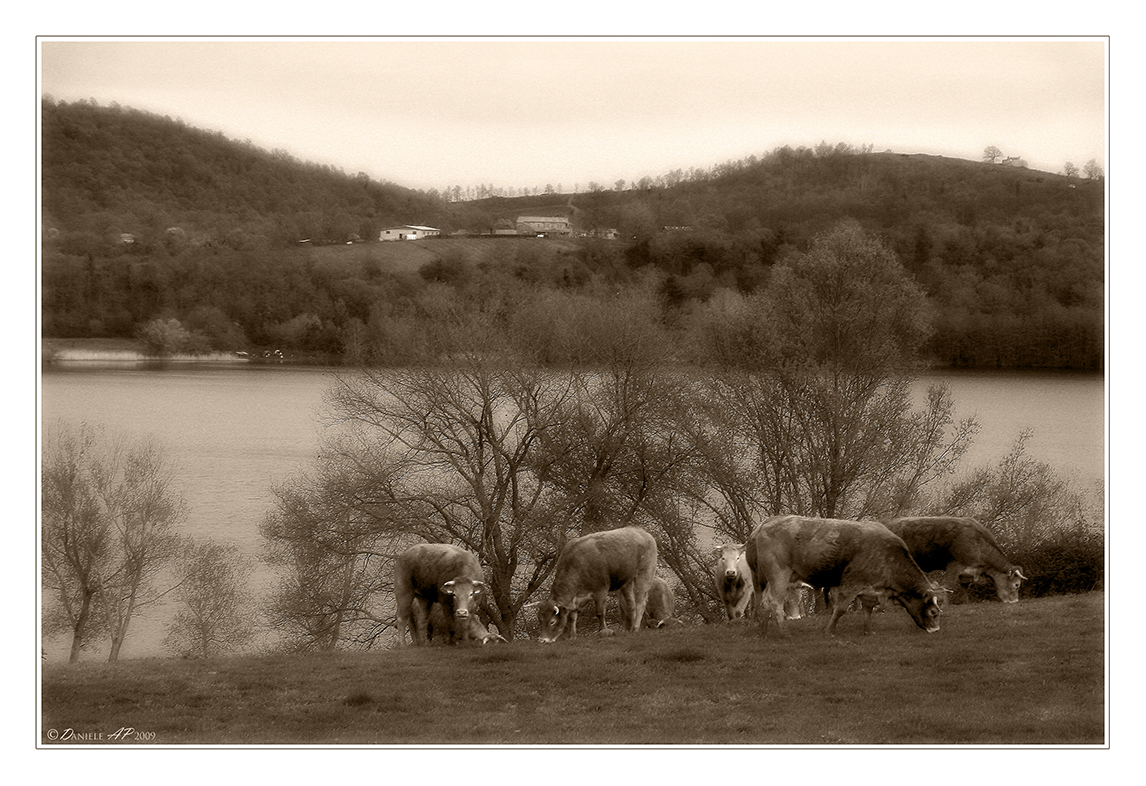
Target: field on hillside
[408,256]
[1032,673]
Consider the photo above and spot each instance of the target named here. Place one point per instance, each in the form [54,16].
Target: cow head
[924,607]
[465,595]
[552,620]
[727,558]
[1007,583]
[483,634]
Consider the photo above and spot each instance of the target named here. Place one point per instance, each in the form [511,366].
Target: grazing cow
[617,560]
[851,558]
[661,605]
[432,573]
[961,547]
[733,579]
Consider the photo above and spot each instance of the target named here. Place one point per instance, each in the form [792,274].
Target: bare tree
[331,536]
[1069,169]
[992,154]
[819,420]
[143,508]
[214,603]
[503,458]
[106,529]
[1091,170]
[75,539]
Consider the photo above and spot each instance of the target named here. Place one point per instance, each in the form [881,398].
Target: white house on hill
[408,232]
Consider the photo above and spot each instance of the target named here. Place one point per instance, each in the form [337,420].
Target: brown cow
[851,558]
[661,605]
[961,547]
[617,560]
[432,573]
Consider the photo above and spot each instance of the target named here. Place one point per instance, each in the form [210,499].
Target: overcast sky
[531,112]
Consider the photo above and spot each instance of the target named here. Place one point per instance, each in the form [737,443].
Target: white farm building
[408,232]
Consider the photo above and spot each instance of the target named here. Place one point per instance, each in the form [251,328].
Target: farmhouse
[544,225]
[408,232]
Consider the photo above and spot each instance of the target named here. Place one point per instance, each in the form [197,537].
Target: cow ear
[479,585]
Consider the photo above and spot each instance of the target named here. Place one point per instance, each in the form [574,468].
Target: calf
[439,629]
[432,573]
[618,560]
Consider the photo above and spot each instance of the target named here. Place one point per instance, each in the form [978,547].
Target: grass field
[1027,674]
[410,255]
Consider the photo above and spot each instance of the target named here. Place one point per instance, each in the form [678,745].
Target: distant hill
[145,216]
[114,170]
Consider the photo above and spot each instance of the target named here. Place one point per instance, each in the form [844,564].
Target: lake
[235,431]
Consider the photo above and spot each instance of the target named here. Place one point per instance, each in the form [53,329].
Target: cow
[440,629]
[733,580]
[850,558]
[661,604]
[617,560]
[962,548]
[432,573]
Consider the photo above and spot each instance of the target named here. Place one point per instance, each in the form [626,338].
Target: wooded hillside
[1012,260]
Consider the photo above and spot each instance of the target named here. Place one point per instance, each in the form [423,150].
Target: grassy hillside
[996,674]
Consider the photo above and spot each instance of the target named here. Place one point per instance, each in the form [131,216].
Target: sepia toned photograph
[573,392]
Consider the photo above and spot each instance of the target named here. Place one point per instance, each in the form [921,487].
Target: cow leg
[599,600]
[630,615]
[403,622]
[421,611]
[758,608]
[772,607]
[641,587]
[841,599]
[571,630]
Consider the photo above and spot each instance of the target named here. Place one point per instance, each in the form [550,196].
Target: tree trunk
[119,633]
[80,628]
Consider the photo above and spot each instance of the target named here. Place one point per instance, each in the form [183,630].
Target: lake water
[235,431]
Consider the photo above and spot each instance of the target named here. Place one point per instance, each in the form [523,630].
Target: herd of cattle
[439,587]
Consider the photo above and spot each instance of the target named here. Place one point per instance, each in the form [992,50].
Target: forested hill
[118,170]
[1013,260]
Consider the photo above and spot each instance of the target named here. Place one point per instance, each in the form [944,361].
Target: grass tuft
[358,699]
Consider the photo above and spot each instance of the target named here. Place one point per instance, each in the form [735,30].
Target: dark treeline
[1012,260]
